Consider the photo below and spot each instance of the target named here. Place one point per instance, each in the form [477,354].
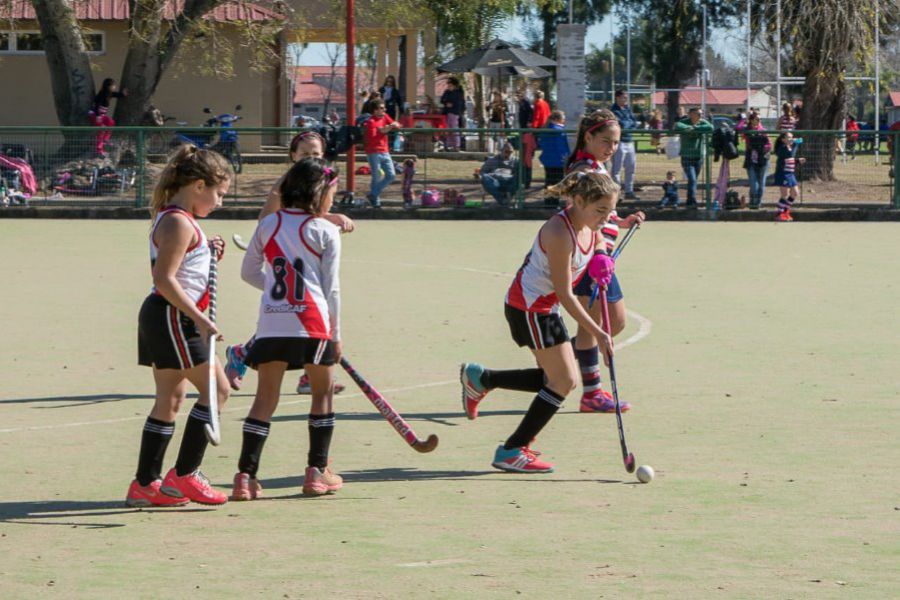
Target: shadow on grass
[35,512]
[89,399]
[411,474]
[442,418]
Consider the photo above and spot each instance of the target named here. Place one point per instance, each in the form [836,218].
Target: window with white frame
[31,42]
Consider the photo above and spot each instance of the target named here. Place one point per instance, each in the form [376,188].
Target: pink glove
[601,268]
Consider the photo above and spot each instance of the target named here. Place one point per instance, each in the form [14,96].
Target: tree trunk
[824,99]
[70,67]
[152,46]
[672,99]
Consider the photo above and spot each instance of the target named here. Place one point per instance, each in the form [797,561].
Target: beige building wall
[182,93]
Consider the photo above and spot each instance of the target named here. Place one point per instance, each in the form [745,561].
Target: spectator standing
[756,157]
[787,122]
[100,113]
[393,97]
[497,115]
[655,124]
[691,132]
[393,104]
[625,155]
[453,106]
[375,143]
[525,111]
[852,127]
[499,175]
[541,111]
[554,152]
[785,173]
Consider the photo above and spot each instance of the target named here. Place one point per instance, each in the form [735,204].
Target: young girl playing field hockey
[556,263]
[307,144]
[173,332]
[786,173]
[598,138]
[293,258]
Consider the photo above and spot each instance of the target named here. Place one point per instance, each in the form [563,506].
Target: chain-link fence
[119,166]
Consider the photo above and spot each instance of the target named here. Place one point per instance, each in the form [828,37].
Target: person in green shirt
[691,131]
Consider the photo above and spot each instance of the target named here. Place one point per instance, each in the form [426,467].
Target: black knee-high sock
[523,380]
[255,434]
[154,441]
[320,429]
[542,409]
[193,444]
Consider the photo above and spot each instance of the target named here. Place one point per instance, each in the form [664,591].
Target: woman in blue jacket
[554,152]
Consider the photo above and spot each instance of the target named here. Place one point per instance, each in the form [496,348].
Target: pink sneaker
[150,495]
[601,401]
[246,488]
[304,389]
[317,483]
[519,460]
[472,390]
[194,486]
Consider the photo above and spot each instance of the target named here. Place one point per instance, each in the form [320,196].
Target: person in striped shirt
[786,173]
[597,141]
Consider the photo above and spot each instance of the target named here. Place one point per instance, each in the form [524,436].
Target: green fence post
[141,159]
[896,169]
[707,168]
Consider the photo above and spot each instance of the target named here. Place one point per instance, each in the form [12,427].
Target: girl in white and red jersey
[294,258]
[173,331]
[598,138]
[306,144]
[557,261]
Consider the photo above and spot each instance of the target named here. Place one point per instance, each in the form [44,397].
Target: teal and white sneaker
[235,369]
[472,390]
[519,460]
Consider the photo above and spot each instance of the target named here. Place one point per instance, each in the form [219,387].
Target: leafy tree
[672,38]
[542,17]
[823,41]
[153,44]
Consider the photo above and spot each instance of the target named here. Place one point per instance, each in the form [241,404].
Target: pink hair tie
[598,125]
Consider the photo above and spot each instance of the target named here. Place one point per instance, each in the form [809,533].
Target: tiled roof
[895,98]
[714,97]
[117,10]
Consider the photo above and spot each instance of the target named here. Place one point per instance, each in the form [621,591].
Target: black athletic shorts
[295,351]
[167,338]
[536,330]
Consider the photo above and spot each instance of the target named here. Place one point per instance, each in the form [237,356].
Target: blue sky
[597,35]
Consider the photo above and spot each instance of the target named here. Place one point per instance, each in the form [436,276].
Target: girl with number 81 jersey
[294,259]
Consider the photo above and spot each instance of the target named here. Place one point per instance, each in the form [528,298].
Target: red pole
[351,95]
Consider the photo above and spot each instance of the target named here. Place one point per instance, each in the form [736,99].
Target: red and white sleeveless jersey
[532,289]
[193,272]
[610,229]
[294,259]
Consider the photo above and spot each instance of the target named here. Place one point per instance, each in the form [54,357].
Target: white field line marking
[644,327]
[228,409]
[435,563]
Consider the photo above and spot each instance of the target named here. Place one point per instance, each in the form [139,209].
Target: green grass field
[761,363]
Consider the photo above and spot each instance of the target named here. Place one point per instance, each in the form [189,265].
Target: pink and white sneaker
[601,401]
[141,496]
[246,488]
[193,486]
[473,391]
[519,460]
[318,483]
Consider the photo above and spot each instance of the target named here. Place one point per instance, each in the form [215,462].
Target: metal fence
[119,166]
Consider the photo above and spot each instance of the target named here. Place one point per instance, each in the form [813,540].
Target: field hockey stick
[627,457]
[624,241]
[213,433]
[392,416]
[239,241]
